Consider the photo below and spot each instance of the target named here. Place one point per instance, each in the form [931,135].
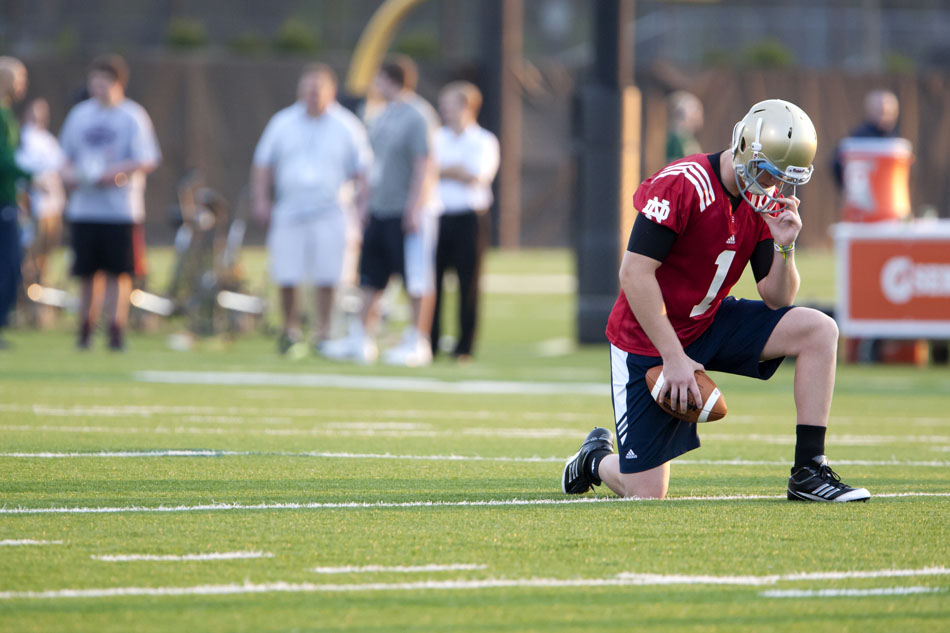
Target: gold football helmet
[775,138]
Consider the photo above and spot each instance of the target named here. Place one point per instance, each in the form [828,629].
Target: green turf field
[229,489]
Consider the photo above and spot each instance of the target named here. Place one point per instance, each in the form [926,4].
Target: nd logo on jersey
[657,210]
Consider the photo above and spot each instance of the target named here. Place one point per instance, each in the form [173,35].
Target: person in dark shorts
[398,195]
[110,146]
[701,220]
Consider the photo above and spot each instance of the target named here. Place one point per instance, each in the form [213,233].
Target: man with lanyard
[110,147]
[307,153]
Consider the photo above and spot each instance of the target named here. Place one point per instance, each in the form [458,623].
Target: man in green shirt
[12,89]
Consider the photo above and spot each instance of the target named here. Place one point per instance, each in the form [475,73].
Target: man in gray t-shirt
[399,136]
[110,146]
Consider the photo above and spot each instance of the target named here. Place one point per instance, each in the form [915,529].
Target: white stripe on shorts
[619,377]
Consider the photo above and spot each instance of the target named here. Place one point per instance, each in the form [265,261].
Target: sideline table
[893,279]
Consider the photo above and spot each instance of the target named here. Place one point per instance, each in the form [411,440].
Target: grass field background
[327,497]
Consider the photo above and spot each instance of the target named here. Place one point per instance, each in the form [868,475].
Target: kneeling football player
[701,220]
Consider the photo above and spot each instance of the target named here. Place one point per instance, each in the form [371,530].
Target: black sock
[810,442]
[592,463]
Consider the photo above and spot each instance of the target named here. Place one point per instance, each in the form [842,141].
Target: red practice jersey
[712,247]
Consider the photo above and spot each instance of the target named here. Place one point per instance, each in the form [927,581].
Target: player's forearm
[780,287]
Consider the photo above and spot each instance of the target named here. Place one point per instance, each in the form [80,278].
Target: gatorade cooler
[876,178]
[876,173]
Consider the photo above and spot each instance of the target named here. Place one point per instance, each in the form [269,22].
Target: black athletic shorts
[383,253]
[647,436]
[108,247]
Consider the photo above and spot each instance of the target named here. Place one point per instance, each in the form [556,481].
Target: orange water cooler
[876,175]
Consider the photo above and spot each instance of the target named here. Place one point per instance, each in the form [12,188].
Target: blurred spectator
[400,140]
[414,349]
[41,155]
[110,146]
[308,151]
[881,109]
[685,120]
[467,156]
[12,88]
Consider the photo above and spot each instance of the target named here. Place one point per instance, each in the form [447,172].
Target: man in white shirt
[306,155]
[40,154]
[110,146]
[468,158]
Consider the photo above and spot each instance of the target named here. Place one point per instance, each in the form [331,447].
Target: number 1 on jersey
[723,262]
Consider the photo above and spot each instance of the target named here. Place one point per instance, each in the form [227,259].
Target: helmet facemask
[765,199]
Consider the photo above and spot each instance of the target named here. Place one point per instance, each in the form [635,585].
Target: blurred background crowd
[202,80]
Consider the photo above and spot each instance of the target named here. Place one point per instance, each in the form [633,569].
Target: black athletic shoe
[116,338]
[820,483]
[575,480]
[288,340]
[85,334]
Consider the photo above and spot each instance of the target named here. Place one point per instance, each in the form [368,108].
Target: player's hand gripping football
[681,382]
[787,223]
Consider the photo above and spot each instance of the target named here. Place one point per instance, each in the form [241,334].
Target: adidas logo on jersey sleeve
[697,176]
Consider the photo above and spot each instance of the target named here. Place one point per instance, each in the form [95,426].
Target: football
[713,406]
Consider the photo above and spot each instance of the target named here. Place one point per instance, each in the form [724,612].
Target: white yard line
[315,454]
[631,580]
[849,593]
[373,383]
[128,454]
[833,439]
[316,431]
[354,505]
[373,430]
[440,458]
[399,569]
[13,542]
[247,413]
[772,579]
[124,558]
[104,411]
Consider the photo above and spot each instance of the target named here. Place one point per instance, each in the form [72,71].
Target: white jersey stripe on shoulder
[700,171]
[704,193]
[696,185]
[677,170]
[704,176]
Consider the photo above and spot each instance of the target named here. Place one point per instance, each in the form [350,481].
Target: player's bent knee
[643,486]
[822,329]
